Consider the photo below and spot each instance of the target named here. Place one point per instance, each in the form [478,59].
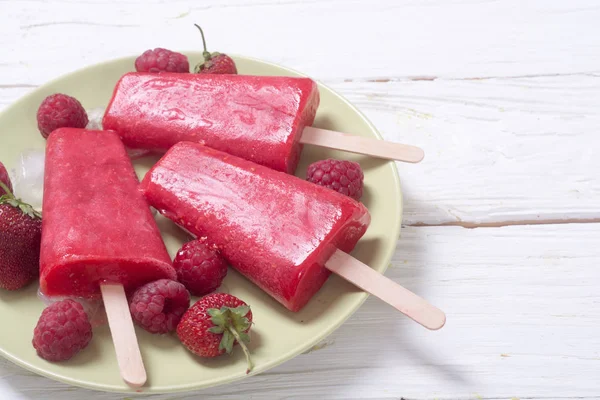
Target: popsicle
[98,234]
[281,232]
[264,119]
[97,227]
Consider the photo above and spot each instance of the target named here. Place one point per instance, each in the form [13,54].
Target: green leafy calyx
[232,323]
[11,200]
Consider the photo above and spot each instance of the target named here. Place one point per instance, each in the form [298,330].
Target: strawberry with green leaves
[214,63]
[214,324]
[4,178]
[20,236]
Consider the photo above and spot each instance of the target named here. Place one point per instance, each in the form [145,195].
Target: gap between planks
[430,78]
[500,224]
[477,397]
[386,79]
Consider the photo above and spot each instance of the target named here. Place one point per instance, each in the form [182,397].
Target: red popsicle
[98,235]
[281,232]
[253,117]
[274,228]
[263,119]
[96,226]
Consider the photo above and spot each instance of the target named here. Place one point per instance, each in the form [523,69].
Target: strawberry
[214,63]
[214,324]
[20,236]
[4,178]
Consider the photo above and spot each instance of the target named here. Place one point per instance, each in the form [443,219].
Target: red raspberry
[162,60]
[62,331]
[342,176]
[200,268]
[60,111]
[158,306]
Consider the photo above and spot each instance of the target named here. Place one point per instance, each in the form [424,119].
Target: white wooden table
[501,223]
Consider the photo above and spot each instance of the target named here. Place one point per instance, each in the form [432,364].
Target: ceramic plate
[278,335]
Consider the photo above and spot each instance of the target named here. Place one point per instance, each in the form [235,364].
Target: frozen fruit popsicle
[274,228]
[253,117]
[98,234]
[264,119]
[283,233]
[96,226]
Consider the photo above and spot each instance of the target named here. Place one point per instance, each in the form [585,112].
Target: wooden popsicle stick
[129,357]
[361,145]
[387,290]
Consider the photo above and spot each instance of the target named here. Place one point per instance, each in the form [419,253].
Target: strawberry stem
[233,325]
[205,53]
[6,189]
[237,337]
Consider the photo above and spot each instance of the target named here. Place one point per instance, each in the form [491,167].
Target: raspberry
[162,60]
[342,176]
[62,331]
[60,111]
[158,306]
[200,268]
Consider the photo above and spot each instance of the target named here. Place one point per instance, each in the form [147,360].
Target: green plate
[278,335]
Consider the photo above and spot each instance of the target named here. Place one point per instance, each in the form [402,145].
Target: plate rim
[397,188]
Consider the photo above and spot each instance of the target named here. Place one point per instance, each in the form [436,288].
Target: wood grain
[496,149]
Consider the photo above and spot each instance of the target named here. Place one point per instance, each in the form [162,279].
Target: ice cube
[135,154]
[95,116]
[28,177]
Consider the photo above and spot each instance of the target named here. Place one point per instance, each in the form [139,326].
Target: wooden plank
[523,310]
[377,39]
[497,150]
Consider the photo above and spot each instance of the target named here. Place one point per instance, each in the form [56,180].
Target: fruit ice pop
[274,228]
[258,118]
[96,227]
